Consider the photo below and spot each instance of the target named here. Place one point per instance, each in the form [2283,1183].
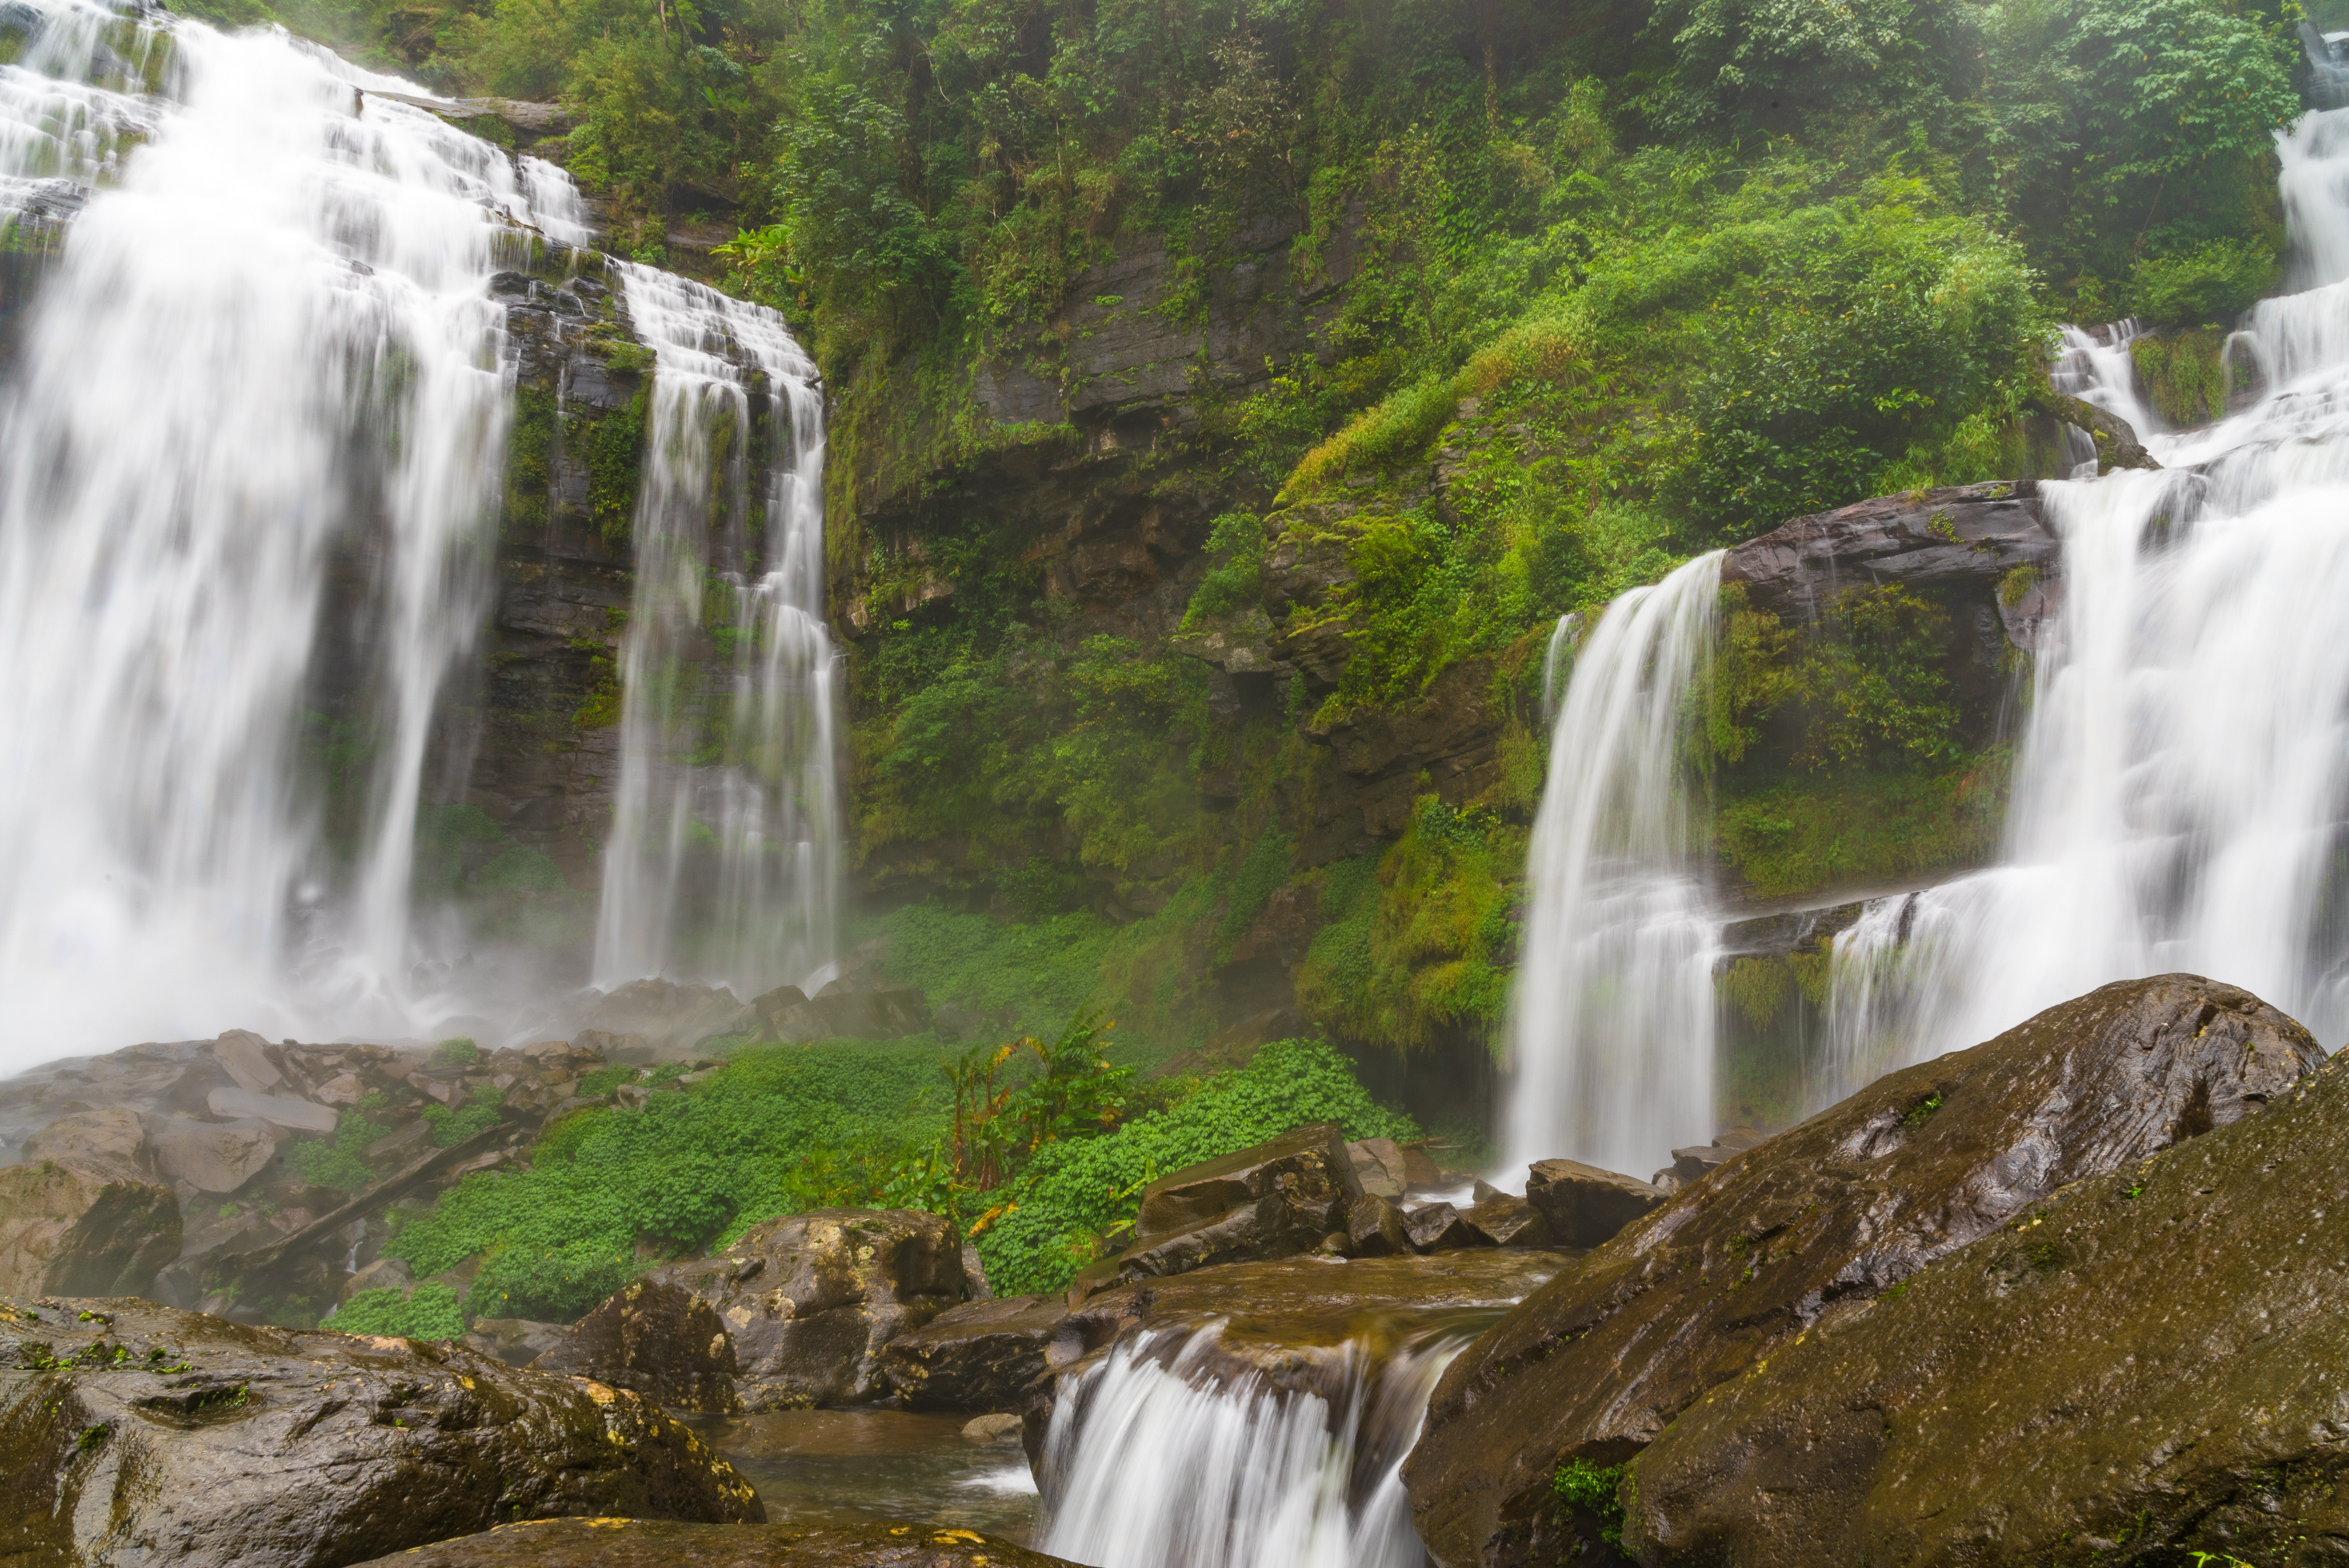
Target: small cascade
[1174,1453]
[1612,1025]
[2182,782]
[723,862]
[254,429]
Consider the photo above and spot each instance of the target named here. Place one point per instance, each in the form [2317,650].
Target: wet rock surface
[1586,1206]
[809,1300]
[657,1338]
[2146,1367]
[1968,534]
[977,1356]
[83,1229]
[1817,1220]
[136,1432]
[649,1544]
[1275,1200]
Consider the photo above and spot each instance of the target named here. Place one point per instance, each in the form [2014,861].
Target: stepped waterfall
[2181,778]
[252,449]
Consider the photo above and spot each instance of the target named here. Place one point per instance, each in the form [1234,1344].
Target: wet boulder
[1275,1200]
[810,1299]
[215,1156]
[516,1341]
[1586,1206]
[1505,1219]
[660,1543]
[1380,1167]
[2143,1366]
[979,1355]
[88,1214]
[1439,1228]
[1375,1227]
[657,1338]
[1820,1218]
[139,1433]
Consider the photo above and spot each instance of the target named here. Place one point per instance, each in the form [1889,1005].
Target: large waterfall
[251,438]
[721,863]
[2182,784]
[1612,1036]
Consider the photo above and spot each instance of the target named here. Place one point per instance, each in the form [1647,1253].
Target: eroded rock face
[2153,1357]
[659,1544]
[977,1356]
[659,1339]
[1586,1206]
[83,1228]
[1273,1201]
[137,1433]
[1819,1218]
[1918,539]
[810,1299]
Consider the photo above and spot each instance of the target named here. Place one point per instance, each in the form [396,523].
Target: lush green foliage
[428,1312]
[1595,1489]
[1076,1191]
[336,1161]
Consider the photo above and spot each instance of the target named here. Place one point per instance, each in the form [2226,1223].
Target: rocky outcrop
[2142,1367]
[1972,535]
[657,1338]
[83,1228]
[651,1543]
[979,1355]
[1273,1201]
[809,1300]
[136,1432]
[1586,1206]
[1817,1220]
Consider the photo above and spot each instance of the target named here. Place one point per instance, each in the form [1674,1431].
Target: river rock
[516,1341]
[2146,1367]
[1440,1227]
[299,1115]
[810,1299]
[1379,1166]
[977,1356]
[1824,1215]
[137,1433]
[662,1544]
[1275,1200]
[658,1338]
[1586,1206]
[1505,1219]
[1375,1227]
[213,1156]
[80,1229]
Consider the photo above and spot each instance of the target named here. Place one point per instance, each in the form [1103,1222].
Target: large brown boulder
[979,1355]
[1586,1206]
[2146,1366]
[1273,1201]
[132,1433]
[810,1299]
[88,1214]
[1841,1208]
[657,1338]
[659,1544]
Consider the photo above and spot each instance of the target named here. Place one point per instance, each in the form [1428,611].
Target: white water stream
[1162,1456]
[1612,1022]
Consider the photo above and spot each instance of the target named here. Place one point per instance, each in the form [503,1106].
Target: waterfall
[1612,1022]
[1171,1453]
[2181,793]
[723,860]
[253,429]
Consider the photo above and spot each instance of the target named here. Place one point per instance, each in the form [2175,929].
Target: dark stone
[661,1544]
[1439,1227]
[1309,1165]
[2150,1358]
[1970,534]
[1586,1206]
[137,1433]
[1375,1227]
[516,1341]
[810,1299]
[1277,1225]
[1507,1220]
[658,1338]
[977,1356]
[1825,1216]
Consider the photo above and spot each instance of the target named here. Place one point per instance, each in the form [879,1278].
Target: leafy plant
[428,1312]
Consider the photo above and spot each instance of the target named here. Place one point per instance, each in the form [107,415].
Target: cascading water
[2181,794]
[723,861]
[1612,1025]
[1164,1455]
[264,361]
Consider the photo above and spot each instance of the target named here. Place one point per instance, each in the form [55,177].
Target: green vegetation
[428,1312]
[1596,1490]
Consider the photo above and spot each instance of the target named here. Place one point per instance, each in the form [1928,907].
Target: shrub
[428,1312]
[2214,282]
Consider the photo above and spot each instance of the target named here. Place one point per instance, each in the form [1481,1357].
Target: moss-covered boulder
[2150,1367]
[651,1543]
[1817,1220]
[132,1433]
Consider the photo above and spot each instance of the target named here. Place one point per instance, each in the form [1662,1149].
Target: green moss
[612,445]
[2184,374]
[1595,1489]
[2016,585]
[530,458]
[1867,828]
